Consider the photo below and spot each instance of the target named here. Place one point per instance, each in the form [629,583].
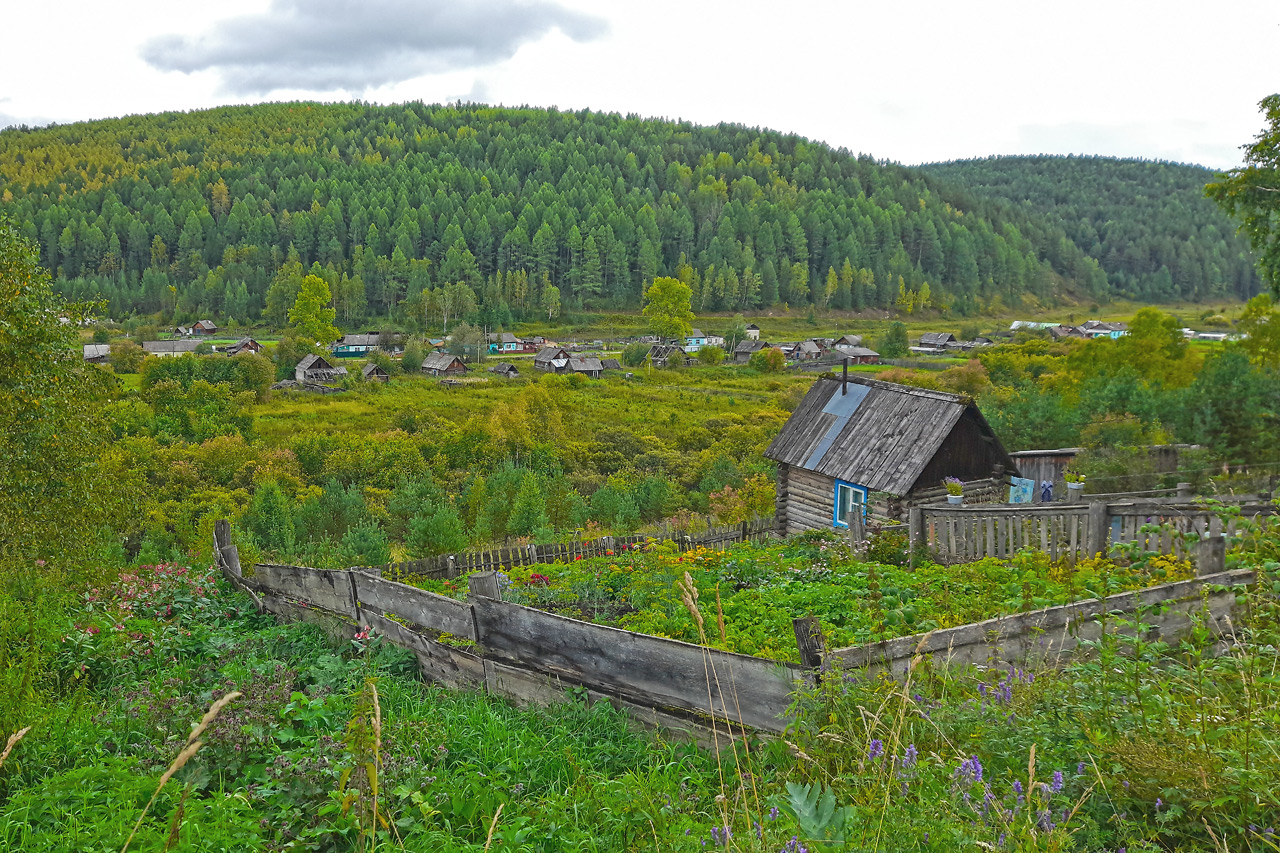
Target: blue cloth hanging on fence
[1046,491]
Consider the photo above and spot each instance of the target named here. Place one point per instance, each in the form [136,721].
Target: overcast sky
[909,81]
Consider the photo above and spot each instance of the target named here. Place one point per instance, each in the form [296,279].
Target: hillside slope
[1147,223]
[194,213]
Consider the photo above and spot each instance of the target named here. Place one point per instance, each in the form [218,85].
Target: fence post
[1211,555]
[915,533]
[484,584]
[1098,529]
[810,640]
[1184,490]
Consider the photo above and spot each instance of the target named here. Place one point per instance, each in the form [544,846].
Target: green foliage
[1260,326]
[894,344]
[244,372]
[710,355]
[411,361]
[1250,193]
[435,530]
[821,822]
[1147,227]
[767,360]
[311,315]
[634,355]
[127,356]
[269,518]
[667,308]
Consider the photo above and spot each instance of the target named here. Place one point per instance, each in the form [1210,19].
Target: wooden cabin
[167,349]
[881,446]
[505,369]
[246,345]
[745,349]
[372,373]
[668,355]
[543,360]
[443,364]
[204,327]
[313,369]
[97,353]
[590,367]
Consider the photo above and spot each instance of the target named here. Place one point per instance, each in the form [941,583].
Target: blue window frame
[847,496]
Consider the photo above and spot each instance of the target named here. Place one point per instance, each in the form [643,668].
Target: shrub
[635,354]
[411,361]
[768,360]
[711,355]
[127,356]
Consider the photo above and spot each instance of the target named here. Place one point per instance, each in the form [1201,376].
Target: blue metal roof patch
[842,406]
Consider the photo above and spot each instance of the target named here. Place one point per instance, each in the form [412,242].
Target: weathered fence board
[437,612]
[651,670]
[447,665]
[315,587]
[1045,635]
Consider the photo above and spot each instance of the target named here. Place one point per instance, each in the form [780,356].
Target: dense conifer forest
[221,211]
[1146,222]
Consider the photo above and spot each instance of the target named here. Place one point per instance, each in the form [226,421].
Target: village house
[1098,329]
[937,340]
[745,349]
[204,327]
[97,353]
[865,444]
[165,349]
[810,350]
[351,346]
[506,343]
[248,345]
[695,341]
[314,370]
[443,364]
[590,367]
[373,373]
[753,332]
[547,355]
[505,369]
[715,341]
[860,355]
[846,342]
[611,364]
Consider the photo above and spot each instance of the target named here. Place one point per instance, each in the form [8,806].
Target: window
[847,497]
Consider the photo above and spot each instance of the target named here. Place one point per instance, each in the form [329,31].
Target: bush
[635,354]
[127,356]
[711,355]
[768,360]
[411,361]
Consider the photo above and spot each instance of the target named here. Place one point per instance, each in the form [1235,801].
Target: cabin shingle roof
[879,435]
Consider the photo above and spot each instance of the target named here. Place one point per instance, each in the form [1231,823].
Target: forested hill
[218,212]
[1146,222]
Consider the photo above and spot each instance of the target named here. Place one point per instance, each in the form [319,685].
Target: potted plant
[1075,480]
[955,490]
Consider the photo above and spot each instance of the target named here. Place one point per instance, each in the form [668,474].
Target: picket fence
[1183,527]
[500,559]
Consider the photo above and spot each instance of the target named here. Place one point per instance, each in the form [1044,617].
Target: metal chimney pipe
[844,377]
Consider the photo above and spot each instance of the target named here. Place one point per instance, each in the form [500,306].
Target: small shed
[883,447]
[586,366]
[313,369]
[745,349]
[860,355]
[505,369]
[443,364]
[373,373]
[543,360]
[937,339]
[97,353]
[610,364]
[248,345]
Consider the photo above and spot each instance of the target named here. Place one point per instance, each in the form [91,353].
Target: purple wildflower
[1017,786]
[1057,781]
[876,749]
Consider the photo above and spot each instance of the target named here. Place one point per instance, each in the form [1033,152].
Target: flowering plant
[953,485]
[1073,476]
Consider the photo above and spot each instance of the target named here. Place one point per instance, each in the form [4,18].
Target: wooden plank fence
[1182,527]
[499,559]
[530,655]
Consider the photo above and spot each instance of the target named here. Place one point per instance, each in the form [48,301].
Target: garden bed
[748,595]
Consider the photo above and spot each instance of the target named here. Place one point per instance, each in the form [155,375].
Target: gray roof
[504,367]
[583,365]
[611,364]
[548,353]
[879,435]
[440,361]
[358,340]
[314,362]
[859,352]
[696,333]
[239,345]
[936,339]
[371,369]
[751,346]
[849,341]
[97,350]
[157,347]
